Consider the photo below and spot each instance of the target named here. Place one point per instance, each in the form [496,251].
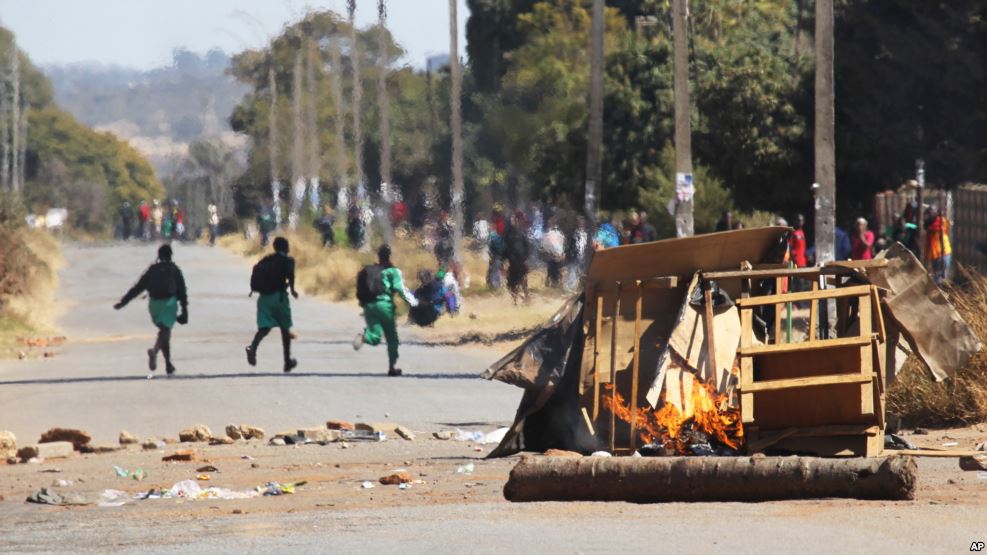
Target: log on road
[666,479]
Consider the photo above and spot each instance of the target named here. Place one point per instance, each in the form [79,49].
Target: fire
[711,415]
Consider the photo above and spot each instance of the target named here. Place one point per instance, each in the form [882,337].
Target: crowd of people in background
[159,221]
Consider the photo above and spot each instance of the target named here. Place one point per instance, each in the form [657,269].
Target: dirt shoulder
[29,262]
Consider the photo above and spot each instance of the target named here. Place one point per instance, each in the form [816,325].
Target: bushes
[918,400]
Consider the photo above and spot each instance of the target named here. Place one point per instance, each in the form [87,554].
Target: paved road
[98,380]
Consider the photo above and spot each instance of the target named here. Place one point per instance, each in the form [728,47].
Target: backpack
[161,283]
[369,283]
[265,277]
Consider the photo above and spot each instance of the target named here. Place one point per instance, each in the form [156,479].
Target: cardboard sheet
[936,332]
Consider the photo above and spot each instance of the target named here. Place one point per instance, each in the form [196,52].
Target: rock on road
[98,380]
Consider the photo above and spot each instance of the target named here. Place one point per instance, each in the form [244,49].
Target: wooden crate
[820,396]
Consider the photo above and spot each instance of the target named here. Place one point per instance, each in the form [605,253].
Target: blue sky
[142,33]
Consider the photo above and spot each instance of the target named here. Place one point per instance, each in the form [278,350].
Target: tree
[594,170]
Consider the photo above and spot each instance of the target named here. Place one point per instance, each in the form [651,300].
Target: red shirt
[796,244]
[860,250]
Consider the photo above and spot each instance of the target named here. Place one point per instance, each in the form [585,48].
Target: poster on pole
[684,188]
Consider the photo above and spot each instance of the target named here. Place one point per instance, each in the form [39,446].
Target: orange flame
[711,415]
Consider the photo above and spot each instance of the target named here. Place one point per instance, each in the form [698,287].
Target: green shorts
[164,312]
[274,311]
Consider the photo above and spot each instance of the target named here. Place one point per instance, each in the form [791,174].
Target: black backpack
[369,284]
[161,283]
[266,276]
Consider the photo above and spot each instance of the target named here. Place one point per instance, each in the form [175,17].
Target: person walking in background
[157,218]
[376,286]
[265,223]
[273,277]
[938,250]
[646,230]
[167,222]
[553,251]
[355,230]
[844,248]
[517,252]
[144,219]
[165,286]
[862,242]
[576,251]
[630,232]
[797,242]
[325,225]
[126,220]
[213,220]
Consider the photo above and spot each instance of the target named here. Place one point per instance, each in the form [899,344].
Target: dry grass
[331,274]
[28,276]
[961,400]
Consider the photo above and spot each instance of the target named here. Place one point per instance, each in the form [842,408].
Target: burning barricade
[712,345]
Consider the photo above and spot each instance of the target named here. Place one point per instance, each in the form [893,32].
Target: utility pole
[357,100]
[456,126]
[684,186]
[825,147]
[383,106]
[297,140]
[4,138]
[336,78]
[594,169]
[272,139]
[15,119]
[312,127]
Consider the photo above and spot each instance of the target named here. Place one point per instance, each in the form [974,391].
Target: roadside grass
[330,273]
[29,260]
[962,399]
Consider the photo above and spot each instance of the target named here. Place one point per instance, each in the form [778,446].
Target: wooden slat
[613,365]
[778,288]
[814,313]
[816,345]
[771,437]
[661,282]
[746,366]
[710,340]
[810,381]
[853,291]
[931,453]
[866,357]
[596,355]
[636,366]
[872,263]
[875,297]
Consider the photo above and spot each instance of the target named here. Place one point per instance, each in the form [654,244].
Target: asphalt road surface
[98,380]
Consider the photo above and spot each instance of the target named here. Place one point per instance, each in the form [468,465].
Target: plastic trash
[981,475]
[138,474]
[462,435]
[121,472]
[368,485]
[188,489]
[404,486]
[600,454]
[247,458]
[113,498]
[951,444]
[466,469]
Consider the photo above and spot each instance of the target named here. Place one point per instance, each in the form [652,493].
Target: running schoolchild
[273,277]
[376,286]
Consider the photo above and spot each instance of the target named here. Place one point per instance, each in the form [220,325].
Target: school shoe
[358,341]
[170,369]
[152,360]
[251,356]
[394,372]
[290,364]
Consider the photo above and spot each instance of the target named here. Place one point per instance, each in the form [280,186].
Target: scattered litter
[45,497]
[951,444]
[186,489]
[895,441]
[982,475]
[113,498]
[600,454]
[495,436]
[466,469]
[121,473]
[368,485]
[404,486]
[202,477]
[247,458]
[275,488]
[138,474]
[363,435]
[62,483]
[52,470]
[207,468]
